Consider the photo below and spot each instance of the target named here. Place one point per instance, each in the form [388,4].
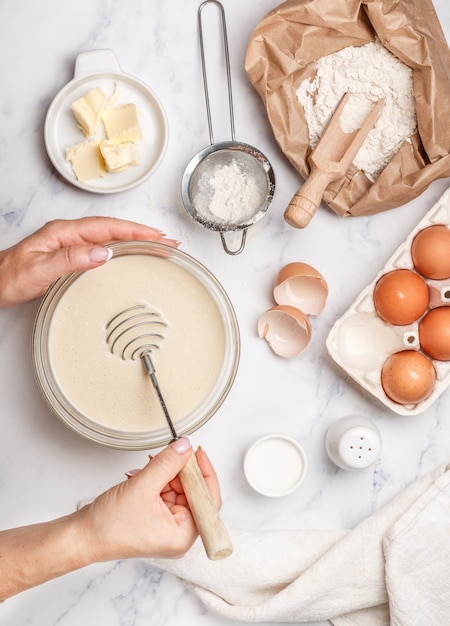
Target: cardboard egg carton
[360,341]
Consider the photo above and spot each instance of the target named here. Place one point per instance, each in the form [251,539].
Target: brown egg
[401,297]
[408,377]
[430,252]
[434,333]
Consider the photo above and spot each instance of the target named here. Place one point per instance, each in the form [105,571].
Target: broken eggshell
[302,286]
[286,329]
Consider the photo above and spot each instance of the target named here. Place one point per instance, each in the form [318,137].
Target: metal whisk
[123,335]
[136,331]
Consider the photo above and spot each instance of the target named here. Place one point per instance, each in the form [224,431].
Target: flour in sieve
[229,193]
[369,72]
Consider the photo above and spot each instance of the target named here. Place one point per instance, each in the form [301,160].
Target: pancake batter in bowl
[117,393]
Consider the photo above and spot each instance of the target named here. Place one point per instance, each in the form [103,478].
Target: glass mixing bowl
[126,436]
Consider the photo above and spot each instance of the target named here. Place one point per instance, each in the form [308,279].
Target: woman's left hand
[60,247]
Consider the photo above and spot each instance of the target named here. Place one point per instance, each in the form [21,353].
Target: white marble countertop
[44,468]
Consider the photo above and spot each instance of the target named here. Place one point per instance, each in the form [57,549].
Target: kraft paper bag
[282,52]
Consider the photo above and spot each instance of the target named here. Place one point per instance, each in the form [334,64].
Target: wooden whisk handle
[306,200]
[209,524]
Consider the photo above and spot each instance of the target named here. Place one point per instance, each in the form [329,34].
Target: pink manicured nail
[100,254]
[173,243]
[181,445]
[132,473]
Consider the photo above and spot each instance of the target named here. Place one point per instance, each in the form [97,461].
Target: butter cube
[86,160]
[118,156]
[121,123]
[88,110]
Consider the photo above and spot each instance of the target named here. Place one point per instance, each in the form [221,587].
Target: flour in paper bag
[370,72]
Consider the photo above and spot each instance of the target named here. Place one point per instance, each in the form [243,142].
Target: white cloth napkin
[392,569]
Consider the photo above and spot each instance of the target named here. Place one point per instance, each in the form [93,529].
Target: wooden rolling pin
[329,161]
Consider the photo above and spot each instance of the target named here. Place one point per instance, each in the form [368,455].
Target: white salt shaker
[353,442]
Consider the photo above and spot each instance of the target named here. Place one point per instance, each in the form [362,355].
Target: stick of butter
[118,156]
[121,123]
[88,110]
[86,160]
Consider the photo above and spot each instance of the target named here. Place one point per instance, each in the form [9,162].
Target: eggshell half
[300,285]
[286,329]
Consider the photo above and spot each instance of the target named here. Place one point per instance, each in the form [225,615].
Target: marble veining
[45,470]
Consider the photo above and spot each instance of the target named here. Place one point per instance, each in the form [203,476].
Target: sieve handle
[227,67]
[209,524]
[236,250]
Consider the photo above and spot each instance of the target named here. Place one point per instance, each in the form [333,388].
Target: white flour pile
[369,72]
[228,192]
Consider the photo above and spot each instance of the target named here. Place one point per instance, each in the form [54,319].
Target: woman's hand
[147,515]
[60,247]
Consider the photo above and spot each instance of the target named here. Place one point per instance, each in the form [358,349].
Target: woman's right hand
[146,515]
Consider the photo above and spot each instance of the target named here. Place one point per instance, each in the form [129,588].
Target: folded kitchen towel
[392,569]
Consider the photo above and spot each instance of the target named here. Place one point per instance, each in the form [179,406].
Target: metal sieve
[202,187]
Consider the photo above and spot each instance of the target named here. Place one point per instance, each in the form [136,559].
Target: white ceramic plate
[100,68]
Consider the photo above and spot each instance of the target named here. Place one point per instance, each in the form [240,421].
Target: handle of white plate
[96,62]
